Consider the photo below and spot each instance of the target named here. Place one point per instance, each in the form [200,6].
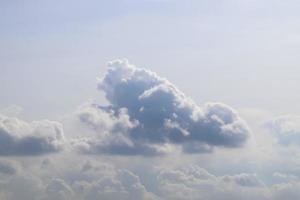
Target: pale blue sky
[244,53]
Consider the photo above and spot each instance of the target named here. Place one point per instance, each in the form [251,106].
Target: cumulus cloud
[86,181]
[147,114]
[20,138]
[286,129]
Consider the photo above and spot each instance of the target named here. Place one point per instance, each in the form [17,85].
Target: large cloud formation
[147,114]
[20,138]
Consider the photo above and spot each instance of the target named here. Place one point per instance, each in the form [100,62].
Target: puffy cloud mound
[147,113]
[20,138]
[286,129]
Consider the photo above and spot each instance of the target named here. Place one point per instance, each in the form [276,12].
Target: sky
[149,99]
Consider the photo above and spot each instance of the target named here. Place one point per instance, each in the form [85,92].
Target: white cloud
[155,114]
[20,138]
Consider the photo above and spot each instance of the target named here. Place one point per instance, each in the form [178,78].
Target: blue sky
[235,61]
[58,47]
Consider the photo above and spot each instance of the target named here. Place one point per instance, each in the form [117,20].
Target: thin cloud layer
[286,129]
[20,138]
[147,114]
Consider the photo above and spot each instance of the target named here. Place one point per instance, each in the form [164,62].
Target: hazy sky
[149,99]
[243,53]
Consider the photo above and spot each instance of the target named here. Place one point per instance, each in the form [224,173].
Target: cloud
[20,138]
[57,189]
[286,191]
[247,180]
[11,110]
[85,181]
[286,129]
[7,168]
[285,177]
[193,182]
[147,114]
[80,178]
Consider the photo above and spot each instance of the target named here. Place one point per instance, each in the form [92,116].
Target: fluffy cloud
[86,181]
[20,138]
[286,129]
[147,114]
